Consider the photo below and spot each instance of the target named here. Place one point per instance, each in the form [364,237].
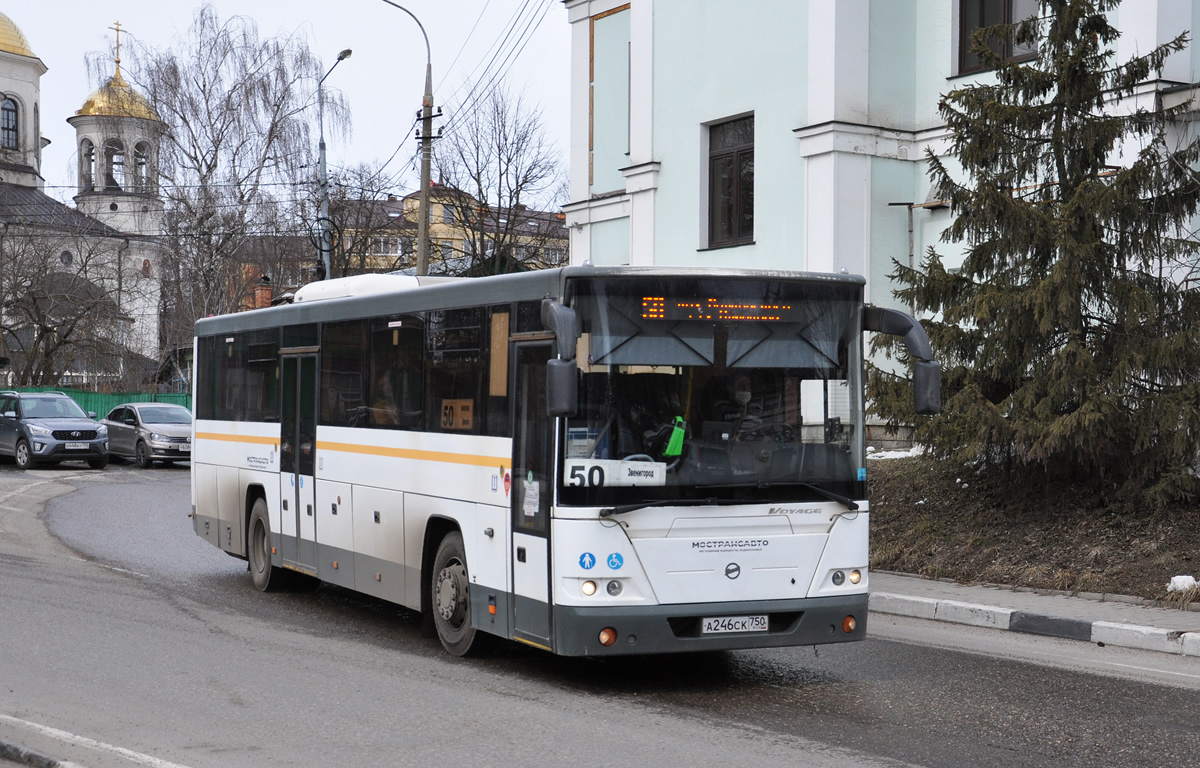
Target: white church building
[786,134]
[88,274]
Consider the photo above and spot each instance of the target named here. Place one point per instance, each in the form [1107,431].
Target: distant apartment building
[466,237]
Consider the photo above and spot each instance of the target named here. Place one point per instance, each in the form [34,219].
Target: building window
[87,165]
[114,165]
[977,14]
[8,124]
[141,167]
[731,182]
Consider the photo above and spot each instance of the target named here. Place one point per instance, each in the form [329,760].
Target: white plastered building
[785,134]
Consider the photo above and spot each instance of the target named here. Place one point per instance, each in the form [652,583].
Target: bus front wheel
[450,599]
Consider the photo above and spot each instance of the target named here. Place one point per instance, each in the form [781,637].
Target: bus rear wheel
[450,599]
[267,577]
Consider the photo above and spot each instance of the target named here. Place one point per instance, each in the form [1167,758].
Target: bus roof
[385,294]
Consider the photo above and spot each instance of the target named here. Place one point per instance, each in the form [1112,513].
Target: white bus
[591,461]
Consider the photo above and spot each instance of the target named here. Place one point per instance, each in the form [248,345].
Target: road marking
[111,567]
[1152,669]
[128,754]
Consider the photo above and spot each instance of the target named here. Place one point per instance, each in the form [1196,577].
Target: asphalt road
[123,627]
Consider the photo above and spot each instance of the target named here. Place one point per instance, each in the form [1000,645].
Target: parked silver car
[150,432]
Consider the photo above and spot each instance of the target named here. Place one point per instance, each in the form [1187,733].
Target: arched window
[87,166]
[114,165]
[141,167]
[8,124]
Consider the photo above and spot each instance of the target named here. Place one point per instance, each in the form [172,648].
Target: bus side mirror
[562,321]
[927,387]
[562,387]
[562,374]
[927,374]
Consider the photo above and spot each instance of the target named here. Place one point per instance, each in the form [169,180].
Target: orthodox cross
[117,29]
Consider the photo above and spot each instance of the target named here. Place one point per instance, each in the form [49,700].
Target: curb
[13,751]
[1183,643]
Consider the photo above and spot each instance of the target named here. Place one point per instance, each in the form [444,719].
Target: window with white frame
[9,137]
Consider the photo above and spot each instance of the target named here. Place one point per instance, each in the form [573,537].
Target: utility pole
[326,236]
[426,152]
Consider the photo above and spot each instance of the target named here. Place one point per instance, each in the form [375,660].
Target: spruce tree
[1070,337]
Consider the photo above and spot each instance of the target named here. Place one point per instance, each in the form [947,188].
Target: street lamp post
[426,151]
[325,235]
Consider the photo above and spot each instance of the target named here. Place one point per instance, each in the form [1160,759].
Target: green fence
[102,403]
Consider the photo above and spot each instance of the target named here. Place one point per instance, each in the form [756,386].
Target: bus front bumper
[677,628]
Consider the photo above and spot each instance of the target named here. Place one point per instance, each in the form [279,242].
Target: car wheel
[23,456]
[142,454]
[99,463]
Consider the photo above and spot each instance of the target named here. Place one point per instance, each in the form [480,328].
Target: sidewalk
[1101,619]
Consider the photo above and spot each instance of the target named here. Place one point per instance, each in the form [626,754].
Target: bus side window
[395,398]
[497,370]
[455,358]
[343,357]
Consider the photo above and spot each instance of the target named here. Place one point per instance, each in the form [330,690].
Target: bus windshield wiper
[845,501]
[621,509]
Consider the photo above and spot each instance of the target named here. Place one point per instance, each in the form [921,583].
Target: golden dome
[11,39]
[116,98]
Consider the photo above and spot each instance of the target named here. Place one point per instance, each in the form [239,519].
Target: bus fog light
[614,588]
[849,624]
[855,576]
[838,578]
[588,588]
[607,636]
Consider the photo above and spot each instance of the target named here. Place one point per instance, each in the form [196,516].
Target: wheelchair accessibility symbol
[615,561]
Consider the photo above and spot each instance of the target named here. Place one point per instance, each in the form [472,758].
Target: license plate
[720,624]
[77,446]
[185,447]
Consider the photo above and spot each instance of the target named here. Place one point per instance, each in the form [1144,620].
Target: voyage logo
[794,511]
[733,570]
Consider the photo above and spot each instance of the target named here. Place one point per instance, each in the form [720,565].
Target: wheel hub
[451,593]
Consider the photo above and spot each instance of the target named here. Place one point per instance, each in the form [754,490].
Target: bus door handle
[520,554]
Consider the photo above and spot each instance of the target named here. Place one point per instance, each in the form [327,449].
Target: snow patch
[916,450]
[1181,584]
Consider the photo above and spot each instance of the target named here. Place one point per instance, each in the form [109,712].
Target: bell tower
[20,92]
[116,135]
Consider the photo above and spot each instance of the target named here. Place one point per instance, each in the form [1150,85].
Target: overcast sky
[384,79]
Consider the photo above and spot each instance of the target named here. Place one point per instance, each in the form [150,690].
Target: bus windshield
[741,390]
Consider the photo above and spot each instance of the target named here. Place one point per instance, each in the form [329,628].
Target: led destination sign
[724,310]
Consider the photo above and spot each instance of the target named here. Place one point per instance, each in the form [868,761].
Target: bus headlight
[588,588]
[838,578]
[614,588]
[855,576]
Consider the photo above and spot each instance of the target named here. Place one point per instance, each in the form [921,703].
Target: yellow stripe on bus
[237,438]
[412,453]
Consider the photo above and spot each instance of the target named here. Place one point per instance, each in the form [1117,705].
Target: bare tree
[497,167]
[236,151]
[372,234]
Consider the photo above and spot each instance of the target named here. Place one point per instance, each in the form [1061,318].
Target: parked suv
[49,427]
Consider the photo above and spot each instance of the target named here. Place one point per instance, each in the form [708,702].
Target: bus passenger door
[297,461]
[533,491]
